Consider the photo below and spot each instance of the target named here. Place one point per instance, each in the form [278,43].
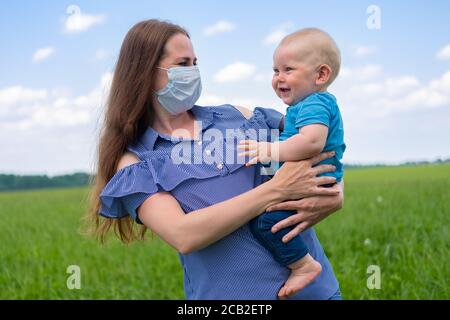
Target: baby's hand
[260,151]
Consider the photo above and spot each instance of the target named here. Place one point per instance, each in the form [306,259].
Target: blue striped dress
[237,266]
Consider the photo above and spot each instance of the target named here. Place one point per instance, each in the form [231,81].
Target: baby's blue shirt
[319,108]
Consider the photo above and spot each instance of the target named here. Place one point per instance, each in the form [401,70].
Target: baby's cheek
[278,93]
[274,85]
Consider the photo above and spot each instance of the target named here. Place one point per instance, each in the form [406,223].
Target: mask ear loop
[156,92]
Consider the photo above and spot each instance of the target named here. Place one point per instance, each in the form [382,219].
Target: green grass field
[394,217]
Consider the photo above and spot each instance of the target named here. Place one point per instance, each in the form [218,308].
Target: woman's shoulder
[126,160]
[229,110]
[258,117]
[246,112]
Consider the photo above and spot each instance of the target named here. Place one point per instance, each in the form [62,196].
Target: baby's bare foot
[302,273]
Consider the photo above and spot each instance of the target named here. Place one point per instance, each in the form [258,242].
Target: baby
[306,62]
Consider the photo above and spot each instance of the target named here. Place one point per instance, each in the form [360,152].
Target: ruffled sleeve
[127,190]
[271,116]
[263,118]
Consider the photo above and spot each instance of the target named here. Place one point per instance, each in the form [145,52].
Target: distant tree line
[17,182]
[409,163]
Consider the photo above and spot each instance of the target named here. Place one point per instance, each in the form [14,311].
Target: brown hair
[127,116]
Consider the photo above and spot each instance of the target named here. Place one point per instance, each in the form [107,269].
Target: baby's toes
[282,292]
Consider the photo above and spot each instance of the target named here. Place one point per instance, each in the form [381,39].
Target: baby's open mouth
[284,90]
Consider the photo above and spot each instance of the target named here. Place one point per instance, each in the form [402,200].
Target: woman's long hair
[128,115]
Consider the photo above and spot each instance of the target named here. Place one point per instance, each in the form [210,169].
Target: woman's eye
[186,63]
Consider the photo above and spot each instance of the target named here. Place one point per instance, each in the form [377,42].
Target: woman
[202,208]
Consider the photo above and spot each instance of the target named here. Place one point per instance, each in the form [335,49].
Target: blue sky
[394,89]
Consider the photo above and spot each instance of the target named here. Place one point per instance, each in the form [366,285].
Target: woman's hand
[297,180]
[309,211]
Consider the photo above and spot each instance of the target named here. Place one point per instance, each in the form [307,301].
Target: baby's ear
[323,74]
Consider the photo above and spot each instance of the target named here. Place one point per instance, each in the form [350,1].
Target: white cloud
[50,131]
[43,53]
[391,119]
[106,81]
[377,110]
[263,77]
[435,94]
[249,103]
[79,22]
[362,51]
[400,85]
[444,53]
[366,93]
[27,109]
[219,27]
[18,94]
[235,72]
[211,100]
[364,73]
[101,54]
[278,33]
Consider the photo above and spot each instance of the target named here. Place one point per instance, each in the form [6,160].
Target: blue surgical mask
[182,91]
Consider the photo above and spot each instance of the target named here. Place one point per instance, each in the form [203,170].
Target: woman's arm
[189,232]
[309,211]
[196,230]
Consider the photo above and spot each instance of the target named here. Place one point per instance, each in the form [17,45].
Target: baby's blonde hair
[316,47]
